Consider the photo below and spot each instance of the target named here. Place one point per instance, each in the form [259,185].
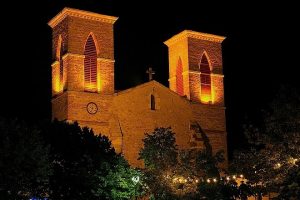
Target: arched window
[152,102]
[205,79]
[179,78]
[90,65]
[59,58]
[61,68]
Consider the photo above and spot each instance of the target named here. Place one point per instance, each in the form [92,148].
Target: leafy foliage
[86,166]
[24,161]
[175,174]
[273,159]
[291,186]
[219,190]
[121,182]
[62,161]
[160,149]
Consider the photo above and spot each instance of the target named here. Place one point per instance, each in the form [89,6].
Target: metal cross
[150,72]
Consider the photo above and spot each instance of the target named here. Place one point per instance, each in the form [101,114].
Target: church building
[83,86]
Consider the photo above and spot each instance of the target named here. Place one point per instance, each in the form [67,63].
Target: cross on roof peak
[150,73]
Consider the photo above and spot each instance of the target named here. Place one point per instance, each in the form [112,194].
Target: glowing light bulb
[227,178]
[208,180]
[278,165]
[234,176]
[215,180]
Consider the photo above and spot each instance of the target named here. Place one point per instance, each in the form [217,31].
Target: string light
[278,165]
[190,180]
[293,160]
[228,177]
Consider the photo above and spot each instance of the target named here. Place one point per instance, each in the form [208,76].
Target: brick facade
[190,46]
[127,115]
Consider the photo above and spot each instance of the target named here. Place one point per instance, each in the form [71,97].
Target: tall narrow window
[59,58]
[152,102]
[61,67]
[179,78]
[205,79]
[90,65]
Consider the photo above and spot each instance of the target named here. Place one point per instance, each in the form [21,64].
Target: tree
[85,165]
[24,161]
[290,189]
[121,182]
[180,174]
[160,157]
[160,149]
[272,162]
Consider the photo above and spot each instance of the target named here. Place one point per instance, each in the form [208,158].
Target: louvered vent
[90,65]
[205,79]
[179,78]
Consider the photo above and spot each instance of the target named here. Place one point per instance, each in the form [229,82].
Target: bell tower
[195,66]
[196,71]
[83,65]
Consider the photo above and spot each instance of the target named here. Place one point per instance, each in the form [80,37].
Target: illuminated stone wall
[127,115]
[132,109]
[190,46]
[179,50]
[60,107]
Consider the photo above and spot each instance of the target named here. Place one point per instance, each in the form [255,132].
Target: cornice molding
[81,14]
[218,75]
[197,72]
[54,63]
[82,57]
[193,34]
[105,60]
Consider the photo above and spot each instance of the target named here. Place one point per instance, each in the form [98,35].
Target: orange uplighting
[92,87]
[205,98]
[99,85]
[205,95]
[57,83]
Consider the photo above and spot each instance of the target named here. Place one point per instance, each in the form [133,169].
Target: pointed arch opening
[58,48]
[90,64]
[179,77]
[59,58]
[205,79]
[152,102]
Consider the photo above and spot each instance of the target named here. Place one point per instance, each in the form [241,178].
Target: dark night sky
[259,54]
